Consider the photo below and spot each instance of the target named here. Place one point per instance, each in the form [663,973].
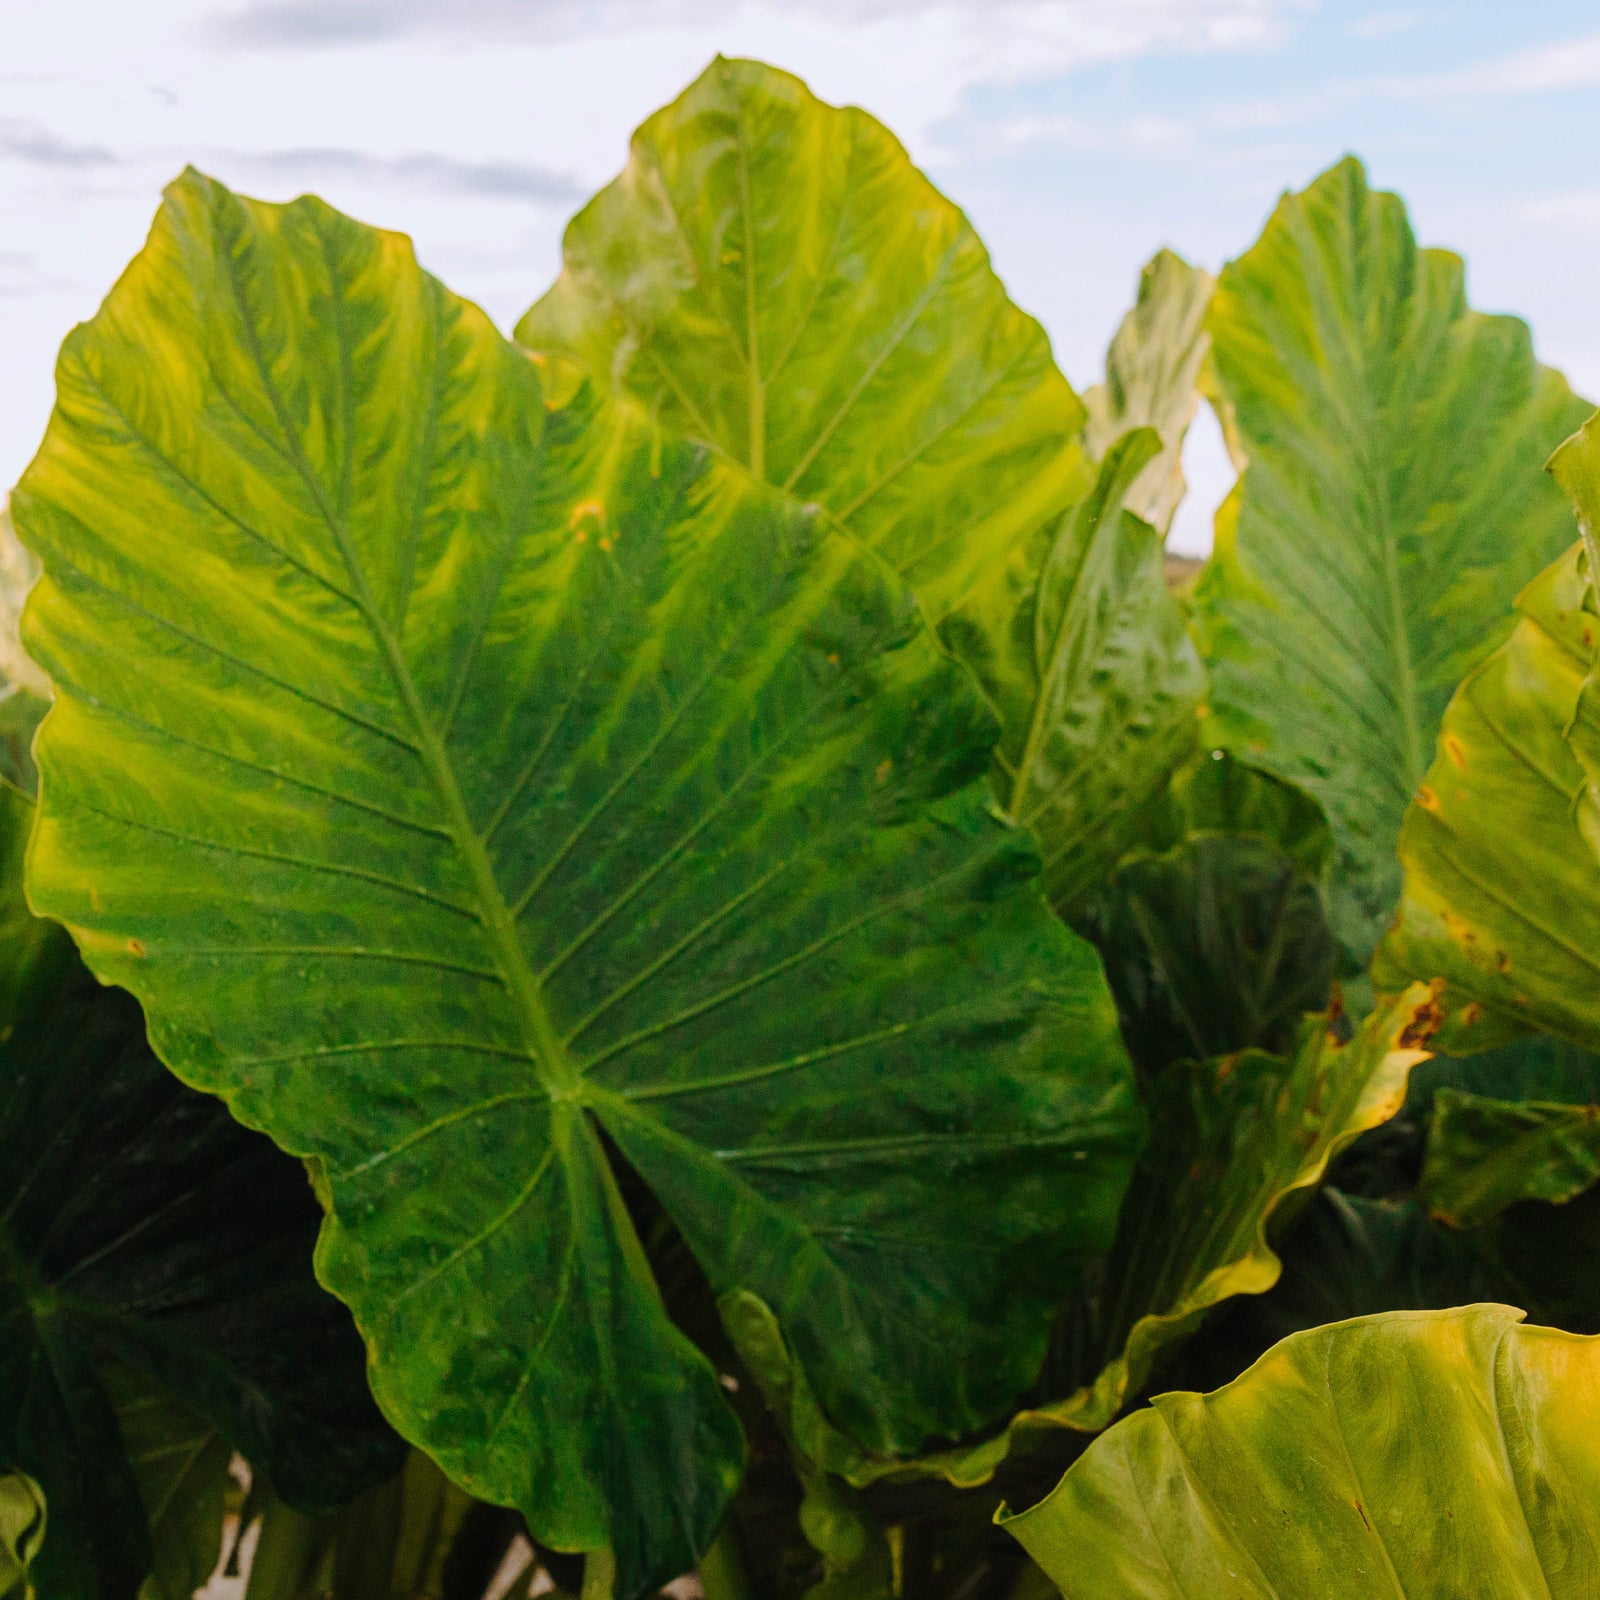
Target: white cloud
[1573,214]
[1569,64]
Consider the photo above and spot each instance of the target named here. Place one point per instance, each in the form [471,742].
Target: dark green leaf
[138,1221]
[1218,945]
[1235,1140]
[1484,1155]
[1087,657]
[464,783]
[180,1464]
[1391,505]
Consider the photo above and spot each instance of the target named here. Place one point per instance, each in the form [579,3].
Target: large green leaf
[1391,505]
[1233,1141]
[1087,657]
[1502,893]
[772,276]
[139,1223]
[476,792]
[1153,380]
[1427,1454]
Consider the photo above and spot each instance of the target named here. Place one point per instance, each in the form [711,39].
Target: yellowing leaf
[1424,1454]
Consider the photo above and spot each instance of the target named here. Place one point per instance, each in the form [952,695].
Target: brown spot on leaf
[135,948]
[1502,960]
[1471,1013]
[1454,749]
[883,770]
[1425,1022]
[1362,1511]
[1427,799]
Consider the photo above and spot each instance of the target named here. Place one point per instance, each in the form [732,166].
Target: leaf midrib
[552,1064]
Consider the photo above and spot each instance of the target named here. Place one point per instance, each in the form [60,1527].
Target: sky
[1079,135]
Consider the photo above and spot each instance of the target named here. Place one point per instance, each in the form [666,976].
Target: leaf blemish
[1425,1022]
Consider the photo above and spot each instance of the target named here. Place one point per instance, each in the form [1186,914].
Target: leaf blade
[1391,499]
[1477,1470]
[556,762]
[722,283]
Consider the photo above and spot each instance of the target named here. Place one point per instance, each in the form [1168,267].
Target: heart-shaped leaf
[771,275]
[1391,504]
[1430,1454]
[478,794]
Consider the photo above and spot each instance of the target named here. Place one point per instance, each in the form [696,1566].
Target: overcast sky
[1080,135]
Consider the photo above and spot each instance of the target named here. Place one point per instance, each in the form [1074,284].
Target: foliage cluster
[703,964]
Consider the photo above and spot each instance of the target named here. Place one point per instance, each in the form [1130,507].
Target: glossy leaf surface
[1419,1454]
[1502,893]
[1087,657]
[498,780]
[1153,380]
[771,275]
[140,1223]
[1392,504]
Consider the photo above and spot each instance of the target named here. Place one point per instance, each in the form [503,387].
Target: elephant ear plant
[790,985]
[507,799]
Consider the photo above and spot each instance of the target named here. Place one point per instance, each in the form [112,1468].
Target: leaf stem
[599,1575]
